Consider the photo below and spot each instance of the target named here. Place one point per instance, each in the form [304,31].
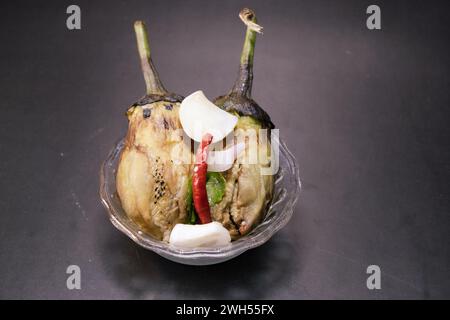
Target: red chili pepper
[199,194]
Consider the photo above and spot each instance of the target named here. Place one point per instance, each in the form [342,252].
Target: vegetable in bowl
[151,187]
[159,186]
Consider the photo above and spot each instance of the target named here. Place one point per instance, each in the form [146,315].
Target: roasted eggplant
[247,190]
[153,174]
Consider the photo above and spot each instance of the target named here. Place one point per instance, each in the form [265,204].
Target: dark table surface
[365,113]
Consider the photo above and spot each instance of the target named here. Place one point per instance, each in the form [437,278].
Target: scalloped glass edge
[278,213]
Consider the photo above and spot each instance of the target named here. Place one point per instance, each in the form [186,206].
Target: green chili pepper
[215,187]
[191,214]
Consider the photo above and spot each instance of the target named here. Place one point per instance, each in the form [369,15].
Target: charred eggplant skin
[239,100]
[151,98]
[244,106]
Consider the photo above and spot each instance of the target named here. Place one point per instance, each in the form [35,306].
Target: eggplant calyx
[151,98]
[243,106]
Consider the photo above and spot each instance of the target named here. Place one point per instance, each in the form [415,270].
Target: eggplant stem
[248,17]
[152,82]
[243,84]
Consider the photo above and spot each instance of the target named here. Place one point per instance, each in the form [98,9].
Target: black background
[365,113]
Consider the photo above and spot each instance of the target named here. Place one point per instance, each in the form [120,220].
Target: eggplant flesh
[247,194]
[152,177]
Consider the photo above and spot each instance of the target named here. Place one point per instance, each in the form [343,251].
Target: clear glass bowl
[279,212]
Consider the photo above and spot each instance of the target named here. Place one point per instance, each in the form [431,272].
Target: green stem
[249,47]
[243,84]
[152,81]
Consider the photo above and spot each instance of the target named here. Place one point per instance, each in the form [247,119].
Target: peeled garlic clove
[219,161]
[199,116]
[211,234]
